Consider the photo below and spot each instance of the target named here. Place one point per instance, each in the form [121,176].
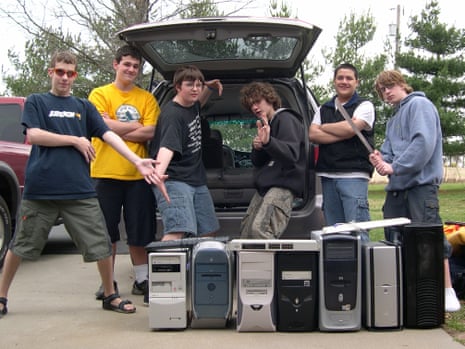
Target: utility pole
[394,30]
[397,36]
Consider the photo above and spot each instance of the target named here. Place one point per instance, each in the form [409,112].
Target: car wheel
[5,229]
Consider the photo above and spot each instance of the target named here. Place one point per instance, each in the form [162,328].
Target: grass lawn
[452,208]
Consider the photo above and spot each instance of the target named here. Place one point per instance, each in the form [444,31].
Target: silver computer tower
[255,291]
[382,279]
[340,276]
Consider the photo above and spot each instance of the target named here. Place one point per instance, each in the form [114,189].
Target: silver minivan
[237,50]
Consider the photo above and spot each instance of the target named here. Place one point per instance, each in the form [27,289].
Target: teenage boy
[177,148]
[343,164]
[411,156]
[131,112]
[58,184]
[278,156]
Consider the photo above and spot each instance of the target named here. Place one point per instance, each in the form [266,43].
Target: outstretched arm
[147,167]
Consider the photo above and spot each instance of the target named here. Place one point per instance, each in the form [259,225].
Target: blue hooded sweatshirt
[413,144]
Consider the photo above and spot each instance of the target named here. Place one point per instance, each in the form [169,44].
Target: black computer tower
[297,290]
[423,270]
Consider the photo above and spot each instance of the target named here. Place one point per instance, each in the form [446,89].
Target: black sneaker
[139,288]
[99,295]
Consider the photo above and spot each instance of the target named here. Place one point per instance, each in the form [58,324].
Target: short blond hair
[63,56]
[390,78]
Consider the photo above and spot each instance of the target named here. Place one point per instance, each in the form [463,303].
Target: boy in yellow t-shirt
[132,113]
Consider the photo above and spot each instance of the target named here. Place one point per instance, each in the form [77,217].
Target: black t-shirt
[179,130]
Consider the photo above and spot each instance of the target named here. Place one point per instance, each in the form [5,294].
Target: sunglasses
[61,72]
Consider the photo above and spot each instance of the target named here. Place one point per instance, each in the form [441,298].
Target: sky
[326,14]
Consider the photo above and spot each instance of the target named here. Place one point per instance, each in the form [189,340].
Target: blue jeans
[345,200]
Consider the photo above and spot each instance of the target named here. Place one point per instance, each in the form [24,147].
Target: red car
[14,152]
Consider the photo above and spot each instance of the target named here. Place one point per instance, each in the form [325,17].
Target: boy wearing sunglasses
[59,127]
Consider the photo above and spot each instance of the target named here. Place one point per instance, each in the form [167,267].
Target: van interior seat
[212,146]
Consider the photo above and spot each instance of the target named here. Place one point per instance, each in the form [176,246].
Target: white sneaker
[451,302]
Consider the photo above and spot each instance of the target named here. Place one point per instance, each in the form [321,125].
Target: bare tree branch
[88,28]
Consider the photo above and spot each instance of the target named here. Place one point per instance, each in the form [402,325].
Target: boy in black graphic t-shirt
[177,148]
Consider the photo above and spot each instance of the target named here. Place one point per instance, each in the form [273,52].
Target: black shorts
[134,200]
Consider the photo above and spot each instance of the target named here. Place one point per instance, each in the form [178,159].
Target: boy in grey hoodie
[411,156]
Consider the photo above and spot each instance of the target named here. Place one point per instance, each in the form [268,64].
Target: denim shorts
[191,210]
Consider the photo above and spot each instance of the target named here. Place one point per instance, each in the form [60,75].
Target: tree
[201,8]
[311,68]
[282,9]
[90,33]
[434,65]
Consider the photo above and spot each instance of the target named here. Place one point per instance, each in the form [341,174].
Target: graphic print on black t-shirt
[194,136]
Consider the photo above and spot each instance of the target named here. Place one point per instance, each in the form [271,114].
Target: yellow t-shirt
[137,105]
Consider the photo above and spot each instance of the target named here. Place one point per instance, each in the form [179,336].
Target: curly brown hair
[256,91]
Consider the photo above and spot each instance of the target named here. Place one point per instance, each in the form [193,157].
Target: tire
[5,229]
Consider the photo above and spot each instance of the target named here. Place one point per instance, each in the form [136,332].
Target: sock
[451,301]
[141,272]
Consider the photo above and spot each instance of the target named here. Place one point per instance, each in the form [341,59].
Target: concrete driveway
[52,305]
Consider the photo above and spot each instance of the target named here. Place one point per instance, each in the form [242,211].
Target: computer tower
[423,270]
[382,286]
[293,290]
[211,285]
[297,290]
[167,290]
[340,274]
[256,309]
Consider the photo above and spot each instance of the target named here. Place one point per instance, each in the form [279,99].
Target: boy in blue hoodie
[411,156]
